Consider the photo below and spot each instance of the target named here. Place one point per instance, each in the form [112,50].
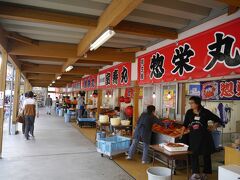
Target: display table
[90,122]
[171,156]
[120,127]
[232,156]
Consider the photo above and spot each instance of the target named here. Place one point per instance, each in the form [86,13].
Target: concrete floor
[59,152]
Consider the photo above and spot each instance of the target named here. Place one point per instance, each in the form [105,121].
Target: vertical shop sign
[214,52]
[89,83]
[116,76]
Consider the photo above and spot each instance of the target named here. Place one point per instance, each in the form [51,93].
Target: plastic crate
[113,145]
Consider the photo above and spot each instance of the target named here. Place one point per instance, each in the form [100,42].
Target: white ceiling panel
[74,6]
[157,19]
[42,25]
[51,38]
[175,8]
[42,31]
[41,62]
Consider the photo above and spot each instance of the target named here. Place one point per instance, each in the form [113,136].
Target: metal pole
[11,100]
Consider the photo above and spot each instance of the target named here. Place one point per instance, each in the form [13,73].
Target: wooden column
[3,72]
[183,100]
[99,103]
[16,95]
[135,104]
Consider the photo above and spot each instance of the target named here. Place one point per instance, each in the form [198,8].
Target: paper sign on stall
[1,99]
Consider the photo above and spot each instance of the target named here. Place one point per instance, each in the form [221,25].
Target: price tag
[1,99]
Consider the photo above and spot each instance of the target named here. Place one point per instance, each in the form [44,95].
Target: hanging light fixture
[59,77]
[106,95]
[169,95]
[90,95]
[109,95]
[102,39]
[154,92]
[154,95]
[69,68]
[53,82]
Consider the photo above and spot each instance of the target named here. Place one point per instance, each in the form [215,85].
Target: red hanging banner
[116,76]
[89,83]
[214,53]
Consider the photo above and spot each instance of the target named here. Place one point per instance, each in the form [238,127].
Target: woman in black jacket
[200,137]
[143,132]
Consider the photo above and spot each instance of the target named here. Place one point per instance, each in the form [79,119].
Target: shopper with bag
[48,105]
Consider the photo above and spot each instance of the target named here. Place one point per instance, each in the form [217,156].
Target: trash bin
[159,173]
[216,138]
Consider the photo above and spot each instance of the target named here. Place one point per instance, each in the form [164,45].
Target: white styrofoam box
[229,172]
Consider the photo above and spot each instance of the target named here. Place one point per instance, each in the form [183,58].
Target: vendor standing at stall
[143,132]
[200,122]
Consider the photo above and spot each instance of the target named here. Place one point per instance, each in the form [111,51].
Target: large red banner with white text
[116,76]
[212,53]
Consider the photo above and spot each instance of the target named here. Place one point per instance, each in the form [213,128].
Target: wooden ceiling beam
[231,2]
[141,29]
[39,58]
[17,37]
[44,49]
[3,38]
[84,61]
[40,76]
[116,11]
[232,9]
[109,54]
[132,49]
[82,71]
[40,68]
[24,13]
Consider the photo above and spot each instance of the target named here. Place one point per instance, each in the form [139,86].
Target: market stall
[115,83]
[189,67]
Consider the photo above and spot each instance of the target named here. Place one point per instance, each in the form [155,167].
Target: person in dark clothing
[143,132]
[200,138]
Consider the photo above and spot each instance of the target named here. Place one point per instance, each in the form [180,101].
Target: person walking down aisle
[48,104]
[30,111]
[80,106]
[143,132]
[197,119]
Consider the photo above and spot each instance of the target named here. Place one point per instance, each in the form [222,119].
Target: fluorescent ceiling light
[59,77]
[102,39]
[69,68]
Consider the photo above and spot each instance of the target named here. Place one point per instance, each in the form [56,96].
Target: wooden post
[16,95]
[119,95]
[99,103]
[27,86]
[3,72]
[135,104]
